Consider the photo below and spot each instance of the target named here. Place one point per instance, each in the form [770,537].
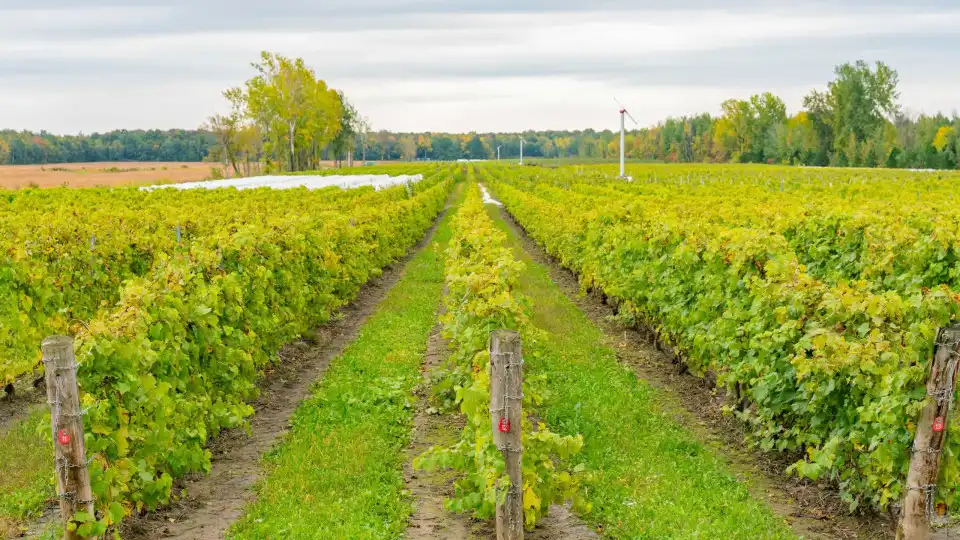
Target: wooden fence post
[506,416]
[66,419]
[918,503]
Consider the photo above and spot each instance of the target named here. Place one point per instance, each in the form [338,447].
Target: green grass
[651,478]
[26,469]
[339,472]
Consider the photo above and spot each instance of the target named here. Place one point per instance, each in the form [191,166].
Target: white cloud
[80,69]
[21,20]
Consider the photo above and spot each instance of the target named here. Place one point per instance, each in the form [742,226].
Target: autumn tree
[424,145]
[249,141]
[225,132]
[296,112]
[474,148]
[732,132]
[941,141]
[408,147]
[743,132]
[226,129]
[801,140]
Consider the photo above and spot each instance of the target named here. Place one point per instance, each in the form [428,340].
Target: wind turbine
[498,153]
[623,112]
[521,149]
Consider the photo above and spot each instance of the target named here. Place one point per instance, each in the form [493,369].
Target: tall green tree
[345,139]
[819,114]
[745,130]
[769,114]
[855,106]
[474,148]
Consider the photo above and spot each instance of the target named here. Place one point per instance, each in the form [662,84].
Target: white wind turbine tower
[521,149]
[623,112]
[498,152]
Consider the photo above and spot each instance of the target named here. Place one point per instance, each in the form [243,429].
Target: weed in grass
[26,468]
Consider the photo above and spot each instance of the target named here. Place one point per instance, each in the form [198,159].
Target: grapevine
[481,274]
[176,359]
[822,318]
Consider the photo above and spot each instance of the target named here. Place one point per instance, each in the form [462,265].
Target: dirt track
[20,403]
[429,488]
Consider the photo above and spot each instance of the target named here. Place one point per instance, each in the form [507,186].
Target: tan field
[102,174]
[110,173]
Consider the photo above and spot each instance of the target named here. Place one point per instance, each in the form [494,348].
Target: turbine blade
[631,117]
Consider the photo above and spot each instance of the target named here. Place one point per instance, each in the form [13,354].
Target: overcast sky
[452,65]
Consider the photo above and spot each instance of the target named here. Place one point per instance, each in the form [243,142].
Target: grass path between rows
[339,473]
[651,478]
[26,471]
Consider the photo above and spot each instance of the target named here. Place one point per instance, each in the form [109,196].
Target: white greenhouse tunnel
[378,181]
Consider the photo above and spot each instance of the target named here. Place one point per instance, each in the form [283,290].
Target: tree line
[286,119]
[855,122]
[29,148]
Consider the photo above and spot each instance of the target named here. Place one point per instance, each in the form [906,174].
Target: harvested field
[101,174]
[109,173]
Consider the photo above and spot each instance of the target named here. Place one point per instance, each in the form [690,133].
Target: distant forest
[28,148]
[856,121]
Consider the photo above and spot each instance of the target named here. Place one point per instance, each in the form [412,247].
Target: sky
[70,66]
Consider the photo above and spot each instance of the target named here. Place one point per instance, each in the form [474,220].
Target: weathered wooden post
[66,418]
[506,416]
[918,503]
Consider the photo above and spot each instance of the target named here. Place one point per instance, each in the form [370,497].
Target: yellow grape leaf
[121,438]
[530,499]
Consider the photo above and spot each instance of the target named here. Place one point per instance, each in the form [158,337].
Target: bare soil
[561,524]
[18,400]
[8,529]
[214,501]
[813,510]
[430,428]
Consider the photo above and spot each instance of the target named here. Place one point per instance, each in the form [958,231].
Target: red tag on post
[938,424]
[504,426]
[63,437]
